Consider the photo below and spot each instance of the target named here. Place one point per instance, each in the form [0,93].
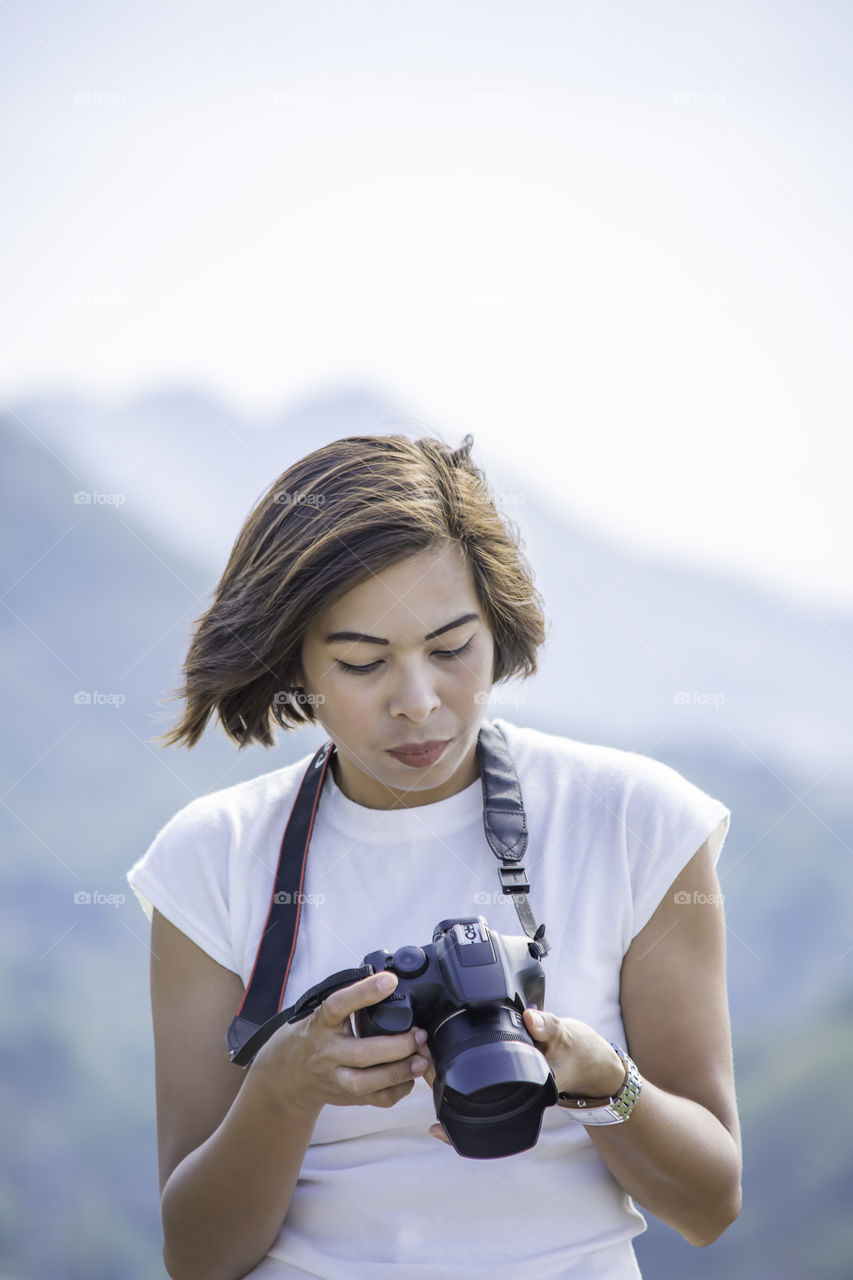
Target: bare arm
[682,1158]
[679,1154]
[232,1143]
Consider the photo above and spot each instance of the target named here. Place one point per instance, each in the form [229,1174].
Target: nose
[414,695]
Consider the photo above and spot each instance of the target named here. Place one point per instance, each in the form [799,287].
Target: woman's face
[394,676]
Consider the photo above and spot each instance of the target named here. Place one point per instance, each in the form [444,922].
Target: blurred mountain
[639,649]
[187,466]
[98,598]
[93,627]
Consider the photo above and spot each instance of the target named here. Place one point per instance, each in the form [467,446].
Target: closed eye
[446,655]
[452,653]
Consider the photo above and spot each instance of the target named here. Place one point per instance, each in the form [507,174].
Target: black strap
[505,825]
[265,990]
[307,1003]
[503,810]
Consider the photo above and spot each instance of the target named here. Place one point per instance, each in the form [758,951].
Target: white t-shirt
[609,831]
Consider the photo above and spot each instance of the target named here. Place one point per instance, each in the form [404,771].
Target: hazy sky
[612,239]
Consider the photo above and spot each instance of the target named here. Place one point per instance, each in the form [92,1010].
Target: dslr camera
[468,990]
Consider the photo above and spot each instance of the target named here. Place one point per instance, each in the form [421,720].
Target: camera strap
[506,832]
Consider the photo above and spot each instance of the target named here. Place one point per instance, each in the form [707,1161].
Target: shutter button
[408,962]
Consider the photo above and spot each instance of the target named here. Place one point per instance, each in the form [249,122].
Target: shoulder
[652,805]
[234,809]
[594,765]
[210,857]
[634,821]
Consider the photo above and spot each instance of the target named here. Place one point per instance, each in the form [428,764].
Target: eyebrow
[357,636]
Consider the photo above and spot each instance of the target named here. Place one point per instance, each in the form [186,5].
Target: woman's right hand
[319,1062]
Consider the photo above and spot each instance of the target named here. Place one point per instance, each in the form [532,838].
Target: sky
[609,239]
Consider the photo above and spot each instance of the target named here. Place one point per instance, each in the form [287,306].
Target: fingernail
[386,981]
[538,1022]
[421,1036]
[419,1066]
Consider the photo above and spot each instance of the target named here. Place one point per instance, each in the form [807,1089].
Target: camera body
[468,990]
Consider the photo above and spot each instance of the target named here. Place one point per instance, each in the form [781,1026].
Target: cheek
[348,697]
[343,711]
[324,674]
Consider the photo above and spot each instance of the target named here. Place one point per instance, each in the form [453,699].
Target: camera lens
[491,1082]
[494,1100]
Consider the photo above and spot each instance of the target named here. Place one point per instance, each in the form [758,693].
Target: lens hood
[491,1083]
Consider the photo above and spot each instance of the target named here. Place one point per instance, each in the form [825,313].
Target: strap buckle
[514,880]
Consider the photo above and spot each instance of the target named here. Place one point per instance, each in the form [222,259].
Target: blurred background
[609,239]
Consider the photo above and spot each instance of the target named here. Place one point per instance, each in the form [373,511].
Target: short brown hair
[344,512]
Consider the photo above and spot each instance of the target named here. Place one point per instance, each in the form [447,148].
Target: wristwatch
[615,1110]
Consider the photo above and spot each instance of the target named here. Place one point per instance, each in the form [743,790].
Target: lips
[417,755]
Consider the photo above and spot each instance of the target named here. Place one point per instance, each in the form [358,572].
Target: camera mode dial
[408,962]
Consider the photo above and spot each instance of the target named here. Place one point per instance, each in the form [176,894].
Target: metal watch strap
[615,1110]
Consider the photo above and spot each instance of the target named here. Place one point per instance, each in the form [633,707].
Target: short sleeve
[184,874]
[668,819]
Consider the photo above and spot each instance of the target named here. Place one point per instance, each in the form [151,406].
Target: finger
[388,1097]
[536,1024]
[429,1074]
[372,1051]
[368,1051]
[362,1082]
[336,1008]
[437,1131]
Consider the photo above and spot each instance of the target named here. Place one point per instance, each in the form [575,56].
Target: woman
[375,589]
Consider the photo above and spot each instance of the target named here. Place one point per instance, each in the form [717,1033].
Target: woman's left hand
[583,1062]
